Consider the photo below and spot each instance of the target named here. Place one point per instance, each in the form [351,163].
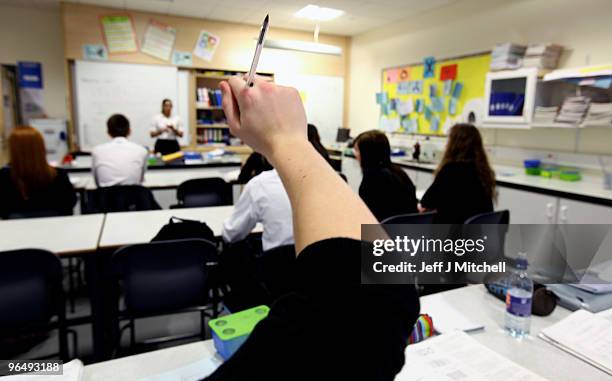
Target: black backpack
[178,228]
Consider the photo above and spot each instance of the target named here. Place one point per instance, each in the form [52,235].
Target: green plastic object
[570,176]
[230,331]
[533,171]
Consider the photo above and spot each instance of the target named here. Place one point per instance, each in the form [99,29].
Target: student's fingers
[230,107]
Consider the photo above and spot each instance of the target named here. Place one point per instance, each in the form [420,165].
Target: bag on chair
[178,228]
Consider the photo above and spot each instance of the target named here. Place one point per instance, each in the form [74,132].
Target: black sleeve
[372,193]
[66,195]
[331,326]
[434,194]
[5,198]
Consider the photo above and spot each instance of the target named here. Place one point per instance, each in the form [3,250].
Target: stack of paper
[545,114]
[507,56]
[573,110]
[599,114]
[585,335]
[542,56]
[457,356]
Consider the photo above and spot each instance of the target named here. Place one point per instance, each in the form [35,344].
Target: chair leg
[75,343]
[63,341]
[71,283]
[132,335]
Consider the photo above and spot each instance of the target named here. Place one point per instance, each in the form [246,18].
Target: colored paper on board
[429,67]
[404,107]
[434,124]
[404,74]
[382,98]
[448,72]
[392,76]
[448,87]
[408,124]
[428,113]
[416,87]
[452,106]
[437,104]
[403,88]
[119,34]
[433,90]
[95,52]
[394,124]
[158,40]
[385,109]
[419,105]
[206,45]
[180,58]
[392,104]
[457,90]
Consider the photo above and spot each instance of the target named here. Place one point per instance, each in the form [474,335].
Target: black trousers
[167,146]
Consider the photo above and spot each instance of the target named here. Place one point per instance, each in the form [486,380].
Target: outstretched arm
[271,119]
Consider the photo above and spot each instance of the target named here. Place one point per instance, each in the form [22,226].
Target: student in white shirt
[265,200]
[118,162]
[167,128]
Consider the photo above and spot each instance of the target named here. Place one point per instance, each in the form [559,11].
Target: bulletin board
[431,96]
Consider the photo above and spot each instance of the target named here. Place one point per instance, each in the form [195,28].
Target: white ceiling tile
[192,8]
[105,3]
[156,6]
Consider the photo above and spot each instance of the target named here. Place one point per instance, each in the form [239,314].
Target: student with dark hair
[29,186]
[118,162]
[167,128]
[315,140]
[311,333]
[464,183]
[385,188]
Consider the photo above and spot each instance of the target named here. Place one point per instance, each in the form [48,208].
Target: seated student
[29,186]
[265,200]
[253,166]
[385,188]
[464,183]
[293,341]
[119,162]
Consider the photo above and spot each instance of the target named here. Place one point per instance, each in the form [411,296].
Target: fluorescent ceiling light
[303,46]
[316,13]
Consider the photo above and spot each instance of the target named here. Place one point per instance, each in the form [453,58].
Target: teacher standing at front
[167,128]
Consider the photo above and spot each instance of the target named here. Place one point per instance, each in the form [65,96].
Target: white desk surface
[531,353]
[129,228]
[149,364]
[60,235]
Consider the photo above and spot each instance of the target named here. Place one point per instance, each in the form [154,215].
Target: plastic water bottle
[518,299]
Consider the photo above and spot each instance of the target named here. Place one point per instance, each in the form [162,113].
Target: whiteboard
[136,91]
[323,98]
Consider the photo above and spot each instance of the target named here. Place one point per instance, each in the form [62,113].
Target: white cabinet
[527,207]
[578,212]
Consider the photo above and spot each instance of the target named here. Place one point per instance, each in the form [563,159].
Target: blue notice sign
[29,75]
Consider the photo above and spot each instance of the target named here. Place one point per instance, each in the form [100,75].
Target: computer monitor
[343,134]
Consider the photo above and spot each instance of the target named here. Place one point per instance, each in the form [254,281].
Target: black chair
[411,219]
[163,278]
[119,198]
[39,214]
[501,217]
[32,298]
[343,176]
[275,269]
[212,191]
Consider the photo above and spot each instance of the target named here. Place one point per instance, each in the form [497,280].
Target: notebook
[458,356]
[585,335]
[447,317]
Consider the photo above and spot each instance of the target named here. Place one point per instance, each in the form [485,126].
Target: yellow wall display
[400,88]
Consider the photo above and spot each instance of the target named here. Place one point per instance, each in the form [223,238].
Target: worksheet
[456,356]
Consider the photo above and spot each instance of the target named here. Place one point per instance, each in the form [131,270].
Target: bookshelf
[210,129]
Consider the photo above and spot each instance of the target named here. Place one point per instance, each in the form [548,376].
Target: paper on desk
[585,335]
[457,356]
[72,371]
[447,317]
[192,372]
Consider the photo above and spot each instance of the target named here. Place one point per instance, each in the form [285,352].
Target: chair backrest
[30,290]
[38,214]
[213,191]
[118,198]
[501,217]
[411,219]
[275,270]
[165,275]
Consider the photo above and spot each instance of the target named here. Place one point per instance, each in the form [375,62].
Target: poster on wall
[119,34]
[158,40]
[95,52]
[206,45]
[180,58]
[30,83]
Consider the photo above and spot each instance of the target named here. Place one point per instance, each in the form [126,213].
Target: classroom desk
[60,235]
[129,228]
[531,353]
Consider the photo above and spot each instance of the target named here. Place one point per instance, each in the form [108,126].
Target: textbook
[585,335]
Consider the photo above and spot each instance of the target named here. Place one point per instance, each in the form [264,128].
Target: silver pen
[260,42]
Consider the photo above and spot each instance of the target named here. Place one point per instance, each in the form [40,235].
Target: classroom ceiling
[360,15]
